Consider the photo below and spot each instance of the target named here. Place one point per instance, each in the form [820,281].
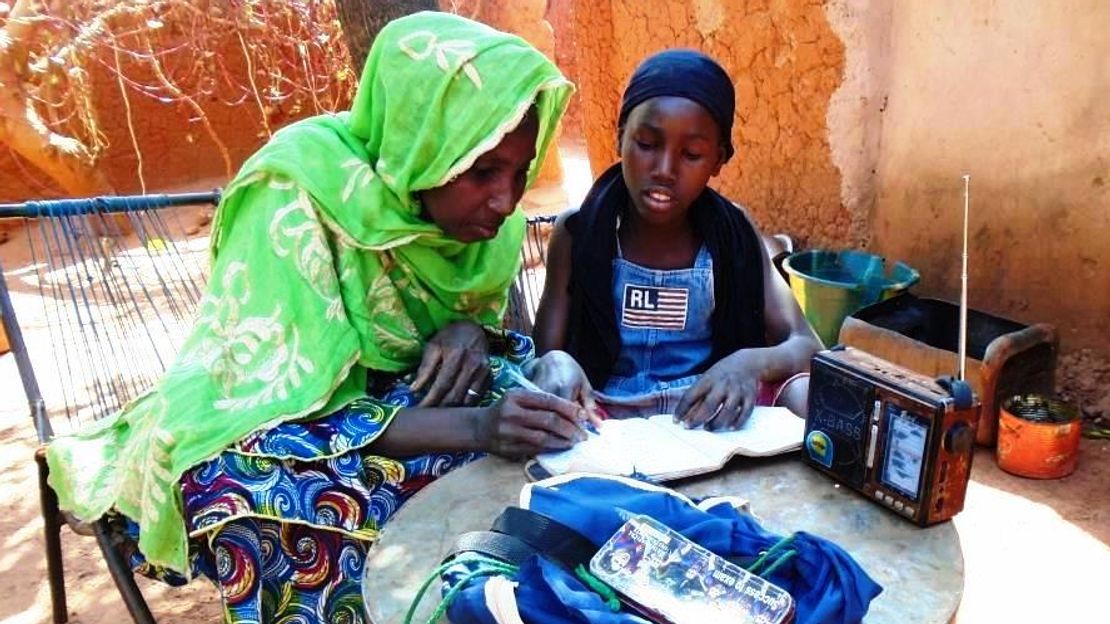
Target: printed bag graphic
[669,579]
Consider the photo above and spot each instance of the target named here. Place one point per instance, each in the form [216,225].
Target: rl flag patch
[648,307]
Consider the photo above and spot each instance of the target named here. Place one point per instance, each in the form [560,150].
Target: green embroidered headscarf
[322,267]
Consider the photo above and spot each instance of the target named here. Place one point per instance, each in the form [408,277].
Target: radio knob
[958,438]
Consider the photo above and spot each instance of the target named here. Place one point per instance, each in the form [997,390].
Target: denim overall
[666,335]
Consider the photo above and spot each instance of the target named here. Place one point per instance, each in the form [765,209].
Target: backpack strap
[497,545]
[520,533]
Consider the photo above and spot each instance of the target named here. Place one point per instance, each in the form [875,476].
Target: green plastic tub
[830,285]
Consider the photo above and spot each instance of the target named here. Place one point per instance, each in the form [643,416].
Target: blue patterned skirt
[282,520]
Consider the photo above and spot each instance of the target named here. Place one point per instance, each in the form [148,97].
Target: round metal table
[921,570]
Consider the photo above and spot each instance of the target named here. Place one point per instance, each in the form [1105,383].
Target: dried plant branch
[173,51]
[262,112]
[172,87]
[130,121]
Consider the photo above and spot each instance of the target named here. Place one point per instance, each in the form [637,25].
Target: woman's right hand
[523,423]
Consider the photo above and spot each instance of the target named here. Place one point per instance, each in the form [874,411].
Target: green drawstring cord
[786,556]
[600,587]
[486,567]
[773,558]
[784,544]
[451,593]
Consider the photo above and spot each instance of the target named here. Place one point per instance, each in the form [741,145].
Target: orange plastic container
[1038,437]
[4,346]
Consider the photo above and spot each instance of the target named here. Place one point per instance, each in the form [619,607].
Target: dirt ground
[1034,551]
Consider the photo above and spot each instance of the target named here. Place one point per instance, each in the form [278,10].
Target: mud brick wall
[786,63]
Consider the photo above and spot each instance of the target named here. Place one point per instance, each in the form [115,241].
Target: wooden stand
[1004,357]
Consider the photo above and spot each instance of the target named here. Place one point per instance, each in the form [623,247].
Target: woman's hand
[523,423]
[458,359]
[724,397]
[560,374]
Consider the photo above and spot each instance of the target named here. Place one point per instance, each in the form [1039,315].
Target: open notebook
[662,450]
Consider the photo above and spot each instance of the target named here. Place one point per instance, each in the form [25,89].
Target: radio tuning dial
[958,438]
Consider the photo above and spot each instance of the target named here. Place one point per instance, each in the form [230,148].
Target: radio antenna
[963,283]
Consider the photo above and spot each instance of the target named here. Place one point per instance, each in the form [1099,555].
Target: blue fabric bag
[828,586]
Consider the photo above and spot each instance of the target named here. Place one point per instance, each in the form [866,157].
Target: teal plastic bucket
[830,285]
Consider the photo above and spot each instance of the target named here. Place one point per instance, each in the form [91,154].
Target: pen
[527,384]
[521,380]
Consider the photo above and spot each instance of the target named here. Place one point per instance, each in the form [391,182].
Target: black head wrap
[688,74]
[593,336]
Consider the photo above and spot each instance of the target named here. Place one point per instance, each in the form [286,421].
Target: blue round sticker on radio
[820,448]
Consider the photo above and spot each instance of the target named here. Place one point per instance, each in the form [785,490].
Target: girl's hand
[560,374]
[724,397]
[458,358]
[523,423]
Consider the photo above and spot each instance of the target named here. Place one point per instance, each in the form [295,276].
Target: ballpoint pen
[528,384]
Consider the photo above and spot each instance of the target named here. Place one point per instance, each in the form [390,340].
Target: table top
[921,570]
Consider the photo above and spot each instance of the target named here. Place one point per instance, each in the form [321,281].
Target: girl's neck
[658,246]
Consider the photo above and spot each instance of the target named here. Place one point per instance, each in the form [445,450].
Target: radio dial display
[904,454]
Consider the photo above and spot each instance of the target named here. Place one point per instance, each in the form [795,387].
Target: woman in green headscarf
[360,269]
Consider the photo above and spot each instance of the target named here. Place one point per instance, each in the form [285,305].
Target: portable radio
[898,437]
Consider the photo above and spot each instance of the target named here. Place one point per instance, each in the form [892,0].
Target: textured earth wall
[786,63]
[560,14]
[1013,94]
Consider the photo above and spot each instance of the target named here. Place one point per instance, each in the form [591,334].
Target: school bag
[827,585]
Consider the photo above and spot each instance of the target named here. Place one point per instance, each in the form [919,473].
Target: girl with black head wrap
[659,292]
